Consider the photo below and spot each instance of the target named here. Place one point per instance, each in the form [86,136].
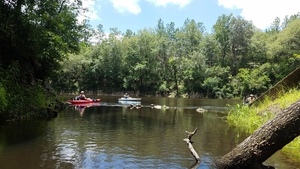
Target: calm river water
[110,135]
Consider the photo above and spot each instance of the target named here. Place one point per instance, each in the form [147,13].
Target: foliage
[45,44]
[250,118]
[234,61]
[261,113]
[35,36]
[29,98]
[254,80]
[163,88]
[216,81]
[246,118]
[292,149]
[3,100]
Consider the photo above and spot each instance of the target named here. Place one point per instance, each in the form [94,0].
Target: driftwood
[265,141]
[190,146]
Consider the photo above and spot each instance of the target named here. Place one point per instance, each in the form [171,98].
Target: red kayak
[84,101]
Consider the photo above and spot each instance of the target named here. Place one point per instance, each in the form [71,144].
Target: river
[110,135]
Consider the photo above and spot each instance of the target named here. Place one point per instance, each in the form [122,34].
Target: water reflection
[110,135]
[135,138]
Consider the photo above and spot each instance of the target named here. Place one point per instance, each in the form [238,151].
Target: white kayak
[130,99]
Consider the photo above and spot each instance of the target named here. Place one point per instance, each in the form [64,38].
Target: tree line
[236,59]
[45,48]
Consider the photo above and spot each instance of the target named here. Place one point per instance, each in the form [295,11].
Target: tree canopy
[35,36]
[236,59]
[44,45]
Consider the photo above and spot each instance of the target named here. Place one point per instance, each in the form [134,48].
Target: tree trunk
[265,141]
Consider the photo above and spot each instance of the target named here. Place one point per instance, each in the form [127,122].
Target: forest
[45,51]
[235,60]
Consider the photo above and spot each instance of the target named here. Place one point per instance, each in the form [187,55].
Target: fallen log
[190,146]
[265,141]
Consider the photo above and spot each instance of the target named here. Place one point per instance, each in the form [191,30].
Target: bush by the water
[249,118]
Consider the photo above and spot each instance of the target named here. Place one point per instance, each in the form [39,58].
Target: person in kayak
[126,95]
[81,96]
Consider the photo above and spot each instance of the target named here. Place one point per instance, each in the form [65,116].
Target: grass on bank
[249,118]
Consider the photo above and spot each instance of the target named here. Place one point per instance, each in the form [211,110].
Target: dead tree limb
[190,146]
[265,141]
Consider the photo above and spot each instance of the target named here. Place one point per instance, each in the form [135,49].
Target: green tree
[216,81]
[112,61]
[147,66]
[36,36]
[257,53]
[209,48]
[193,68]
[131,70]
[221,30]
[192,34]
[275,26]
[254,80]
[284,48]
[241,32]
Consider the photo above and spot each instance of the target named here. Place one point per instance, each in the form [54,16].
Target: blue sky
[139,14]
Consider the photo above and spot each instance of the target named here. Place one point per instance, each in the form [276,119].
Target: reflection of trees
[106,130]
[105,134]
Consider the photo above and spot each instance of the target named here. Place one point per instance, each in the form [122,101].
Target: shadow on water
[111,135]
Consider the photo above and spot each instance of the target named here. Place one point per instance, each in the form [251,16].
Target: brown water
[110,135]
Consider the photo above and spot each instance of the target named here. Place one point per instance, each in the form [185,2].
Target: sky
[139,14]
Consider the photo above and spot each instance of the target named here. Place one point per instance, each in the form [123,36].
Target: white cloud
[132,6]
[123,6]
[180,3]
[91,13]
[263,12]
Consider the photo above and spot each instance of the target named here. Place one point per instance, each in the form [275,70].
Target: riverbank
[33,113]
[249,118]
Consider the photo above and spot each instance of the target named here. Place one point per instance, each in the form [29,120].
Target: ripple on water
[66,151]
